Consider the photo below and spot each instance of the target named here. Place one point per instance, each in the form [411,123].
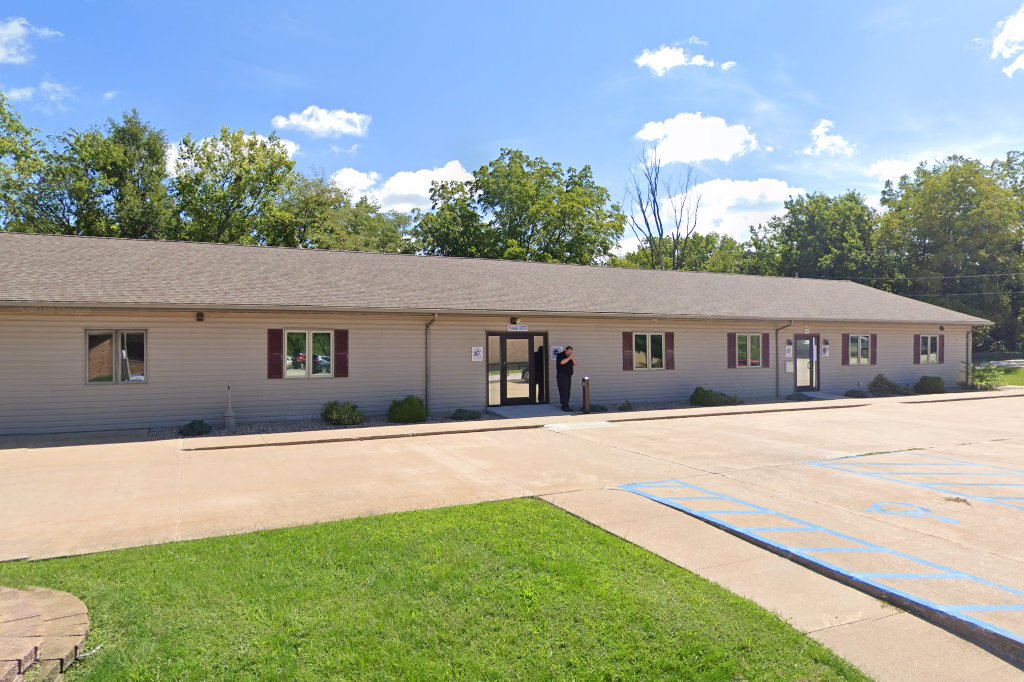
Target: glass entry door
[516,369]
[806,361]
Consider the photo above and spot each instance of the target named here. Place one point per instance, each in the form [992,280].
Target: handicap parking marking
[911,580]
[913,511]
[998,485]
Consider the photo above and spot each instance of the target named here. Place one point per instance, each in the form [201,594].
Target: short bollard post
[586,395]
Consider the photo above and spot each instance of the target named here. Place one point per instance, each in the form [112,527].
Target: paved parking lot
[921,498]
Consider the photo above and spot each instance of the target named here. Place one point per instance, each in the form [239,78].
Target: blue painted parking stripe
[911,586]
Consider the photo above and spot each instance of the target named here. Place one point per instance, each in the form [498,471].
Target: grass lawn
[1014,377]
[507,590]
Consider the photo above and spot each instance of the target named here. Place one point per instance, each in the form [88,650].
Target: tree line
[950,233]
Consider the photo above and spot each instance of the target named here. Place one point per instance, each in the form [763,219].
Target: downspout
[969,355]
[426,362]
[777,330]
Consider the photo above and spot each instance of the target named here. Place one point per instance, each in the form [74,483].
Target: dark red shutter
[730,352]
[340,353]
[627,351]
[942,348]
[874,349]
[670,350]
[275,353]
[766,350]
[917,349]
[845,352]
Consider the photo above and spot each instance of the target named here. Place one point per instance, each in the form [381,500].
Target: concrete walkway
[67,499]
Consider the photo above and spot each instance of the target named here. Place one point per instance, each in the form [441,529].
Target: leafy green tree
[228,188]
[20,162]
[134,166]
[712,252]
[954,231]
[522,208]
[817,236]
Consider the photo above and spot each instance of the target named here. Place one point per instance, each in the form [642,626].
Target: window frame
[928,358]
[649,353]
[116,334]
[858,360]
[309,353]
[760,350]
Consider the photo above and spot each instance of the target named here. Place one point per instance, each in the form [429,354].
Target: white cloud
[694,40]
[666,58]
[1009,42]
[54,93]
[403,191]
[355,182]
[732,206]
[321,122]
[693,137]
[15,34]
[891,169]
[728,66]
[822,142]
[109,95]
[20,94]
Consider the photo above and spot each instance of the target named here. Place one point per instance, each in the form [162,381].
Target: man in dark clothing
[565,362]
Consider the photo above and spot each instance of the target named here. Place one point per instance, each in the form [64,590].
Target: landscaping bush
[882,385]
[930,385]
[342,414]
[598,408]
[626,407]
[705,397]
[408,410]
[196,427]
[798,397]
[857,393]
[463,415]
[987,377]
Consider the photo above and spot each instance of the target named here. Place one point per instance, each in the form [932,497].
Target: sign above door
[518,328]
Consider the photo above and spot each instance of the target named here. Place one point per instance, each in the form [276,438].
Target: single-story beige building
[100,334]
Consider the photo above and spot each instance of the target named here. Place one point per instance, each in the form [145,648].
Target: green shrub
[930,385]
[463,415]
[705,397]
[196,427]
[408,410]
[598,408]
[626,407]
[987,377]
[857,393]
[342,414]
[882,385]
[798,397]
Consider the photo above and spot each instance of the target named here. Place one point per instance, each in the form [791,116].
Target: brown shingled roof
[95,272]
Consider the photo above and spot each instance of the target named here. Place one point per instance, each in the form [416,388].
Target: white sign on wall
[518,328]
[789,350]
[478,353]
[555,350]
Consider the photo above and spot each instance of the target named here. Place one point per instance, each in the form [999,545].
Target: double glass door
[516,369]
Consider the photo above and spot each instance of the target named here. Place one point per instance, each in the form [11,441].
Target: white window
[860,349]
[748,350]
[648,350]
[114,356]
[929,349]
[308,354]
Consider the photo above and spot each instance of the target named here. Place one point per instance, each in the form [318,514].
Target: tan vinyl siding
[190,364]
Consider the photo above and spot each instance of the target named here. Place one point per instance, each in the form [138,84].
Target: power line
[893,279]
[973,293]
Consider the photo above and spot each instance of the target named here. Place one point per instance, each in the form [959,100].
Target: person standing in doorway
[565,361]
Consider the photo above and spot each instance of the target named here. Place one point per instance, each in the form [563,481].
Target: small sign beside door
[478,353]
[518,328]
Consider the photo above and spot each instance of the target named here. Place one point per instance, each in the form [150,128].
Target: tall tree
[954,231]
[20,162]
[662,214]
[228,188]
[135,168]
[525,209]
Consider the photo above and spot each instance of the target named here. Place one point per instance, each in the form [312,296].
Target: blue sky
[763,99]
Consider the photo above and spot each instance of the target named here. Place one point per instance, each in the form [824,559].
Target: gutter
[426,362]
[777,330]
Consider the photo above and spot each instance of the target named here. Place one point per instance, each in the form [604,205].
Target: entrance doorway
[806,375]
[517,368]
